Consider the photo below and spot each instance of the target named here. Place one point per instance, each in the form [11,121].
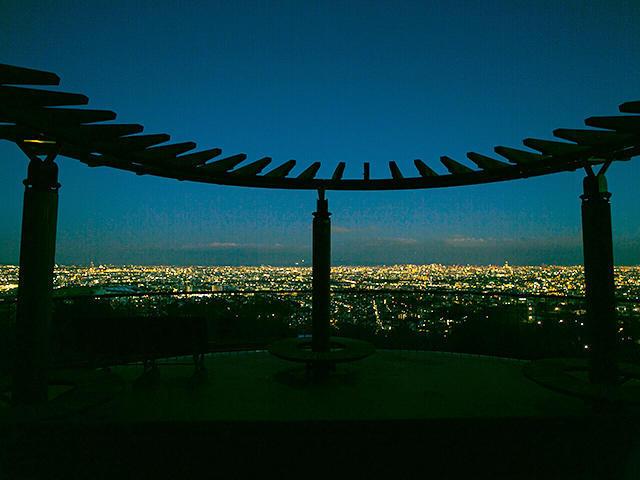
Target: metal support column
[321,276]
[34,308]
[600,288]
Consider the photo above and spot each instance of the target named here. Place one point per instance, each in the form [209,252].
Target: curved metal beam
[76,133]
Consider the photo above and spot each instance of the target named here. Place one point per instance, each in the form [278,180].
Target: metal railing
[481,322]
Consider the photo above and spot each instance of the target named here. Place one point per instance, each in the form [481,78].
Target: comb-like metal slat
[337,173]
[520,157]
[124,145]
[486,163]
[548,147]
[630,107]
[224,164]
[83,134]
[29,97]
[281,171]
[253,168]
[26,76]
[396,174]
[81,154]
[108,160]
[54,117]
[164,152]
[454,167]
[596,138]
[423,169]
[105,138]
[309,172]
[194,159]
[627,123]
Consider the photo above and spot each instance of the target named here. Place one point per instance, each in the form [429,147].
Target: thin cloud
[460,240]
[214,245]
[397,241]
[346,250]
[233,246]
[338,229]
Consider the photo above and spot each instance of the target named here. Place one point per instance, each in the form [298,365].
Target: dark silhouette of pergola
[47,123]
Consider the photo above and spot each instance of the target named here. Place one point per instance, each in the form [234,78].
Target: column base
[570,376]
[340,350]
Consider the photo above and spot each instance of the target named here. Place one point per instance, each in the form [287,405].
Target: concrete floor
[389,385]
[395,412]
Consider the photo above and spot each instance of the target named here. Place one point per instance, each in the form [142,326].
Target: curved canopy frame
[47,121]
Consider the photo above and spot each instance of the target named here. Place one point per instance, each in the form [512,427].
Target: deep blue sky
[330,81]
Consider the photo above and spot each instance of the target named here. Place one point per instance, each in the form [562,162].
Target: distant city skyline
[334,81]
[508,279]
[520,252]
[389,251]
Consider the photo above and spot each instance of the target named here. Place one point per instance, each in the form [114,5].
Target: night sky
[330,81]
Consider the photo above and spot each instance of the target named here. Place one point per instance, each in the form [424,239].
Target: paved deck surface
[386,415]
[389,385]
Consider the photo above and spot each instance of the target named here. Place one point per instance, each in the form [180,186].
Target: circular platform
[570,376]
[341,350]
[71,391]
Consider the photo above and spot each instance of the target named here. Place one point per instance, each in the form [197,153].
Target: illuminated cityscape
[530,280]
[504,310]
[361,239]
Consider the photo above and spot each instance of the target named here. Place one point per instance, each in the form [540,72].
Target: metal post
[600,288]
[34,308]
[321,276]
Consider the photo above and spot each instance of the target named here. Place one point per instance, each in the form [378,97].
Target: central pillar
[600,288]
[320,313]
[34,308]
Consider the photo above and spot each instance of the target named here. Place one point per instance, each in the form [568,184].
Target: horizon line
[506,264]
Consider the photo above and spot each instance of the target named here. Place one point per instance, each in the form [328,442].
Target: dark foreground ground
[395,414]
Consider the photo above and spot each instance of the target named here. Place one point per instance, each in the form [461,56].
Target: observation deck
[393,413]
